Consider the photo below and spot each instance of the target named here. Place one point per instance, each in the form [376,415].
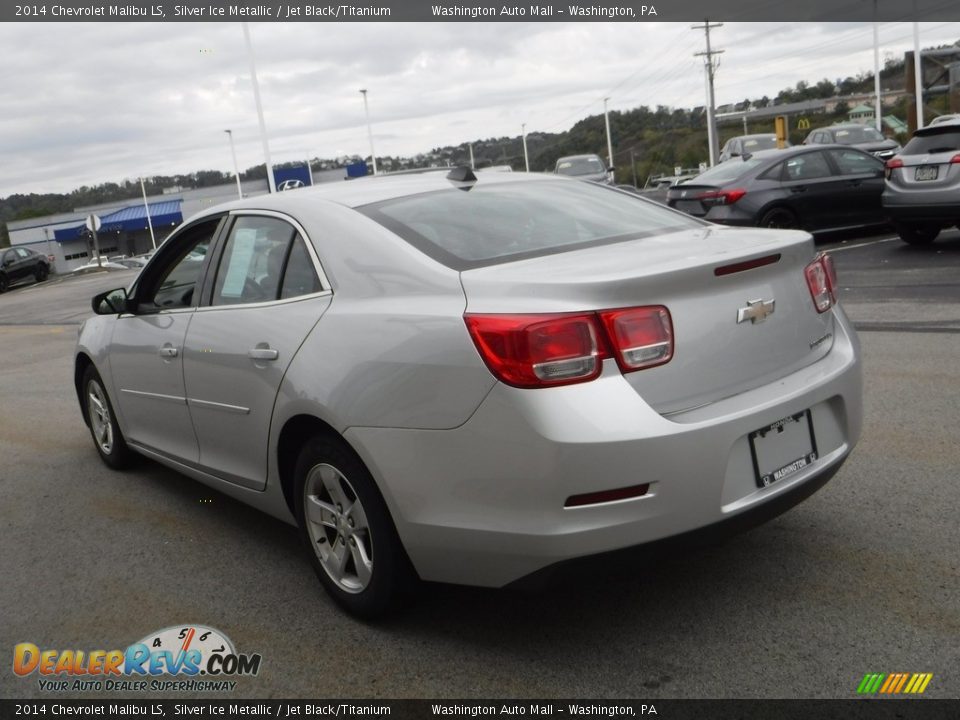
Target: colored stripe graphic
[894,683]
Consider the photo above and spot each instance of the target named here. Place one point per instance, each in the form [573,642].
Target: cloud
[99,102]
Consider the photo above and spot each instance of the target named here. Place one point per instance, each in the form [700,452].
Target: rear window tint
[726,172]
[514,221]
[947,140]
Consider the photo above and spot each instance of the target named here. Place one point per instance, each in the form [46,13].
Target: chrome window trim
[264,303]
[311,250]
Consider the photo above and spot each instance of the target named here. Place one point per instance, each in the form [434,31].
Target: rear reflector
[606,496]
[746,265]
[535,351]
[822,280]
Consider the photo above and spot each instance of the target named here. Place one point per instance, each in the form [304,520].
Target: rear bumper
[483,504]
[945,214]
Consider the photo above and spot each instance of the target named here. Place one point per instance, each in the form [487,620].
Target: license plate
[692,207]
[925,172]
[783,448]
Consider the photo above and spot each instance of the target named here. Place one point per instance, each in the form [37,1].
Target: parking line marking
[860,245]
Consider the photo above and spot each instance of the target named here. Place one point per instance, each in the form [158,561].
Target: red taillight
[641,337]
[890,165]
[538,350]
[534,351]
[822,281]
[721,197]
[955,158]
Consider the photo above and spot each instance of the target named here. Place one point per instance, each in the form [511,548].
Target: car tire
[345,524]
[4,283]
[102,421]
[918,234]
[780,217]
[42,273]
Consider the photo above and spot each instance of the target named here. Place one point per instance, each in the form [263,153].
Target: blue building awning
[129,219]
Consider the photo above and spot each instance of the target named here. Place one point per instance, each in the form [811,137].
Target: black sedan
[18,264]
[817,189]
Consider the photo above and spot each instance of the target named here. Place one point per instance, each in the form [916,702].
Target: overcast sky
[86,103]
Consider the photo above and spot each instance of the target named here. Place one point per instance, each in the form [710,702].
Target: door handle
[169,352]
[259,353]
[798,189]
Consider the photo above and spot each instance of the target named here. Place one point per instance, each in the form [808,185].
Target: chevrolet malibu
[467,380]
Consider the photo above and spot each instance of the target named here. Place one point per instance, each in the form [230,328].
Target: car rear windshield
[941,139]
[853,135]
[760,143]
[580,166]
[726,172]
[486,225]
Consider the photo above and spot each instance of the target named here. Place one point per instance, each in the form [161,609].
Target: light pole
[526,158]
[256,98]
[606,119]
[236,169]
[366,112]
[146,208]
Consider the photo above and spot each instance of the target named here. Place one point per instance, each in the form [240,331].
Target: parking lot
[862,577]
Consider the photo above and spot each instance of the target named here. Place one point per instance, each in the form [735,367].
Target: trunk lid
[715,356]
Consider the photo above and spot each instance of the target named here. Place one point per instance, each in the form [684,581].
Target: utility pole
[472,166]
[606,119]
[710,68]
[878,113]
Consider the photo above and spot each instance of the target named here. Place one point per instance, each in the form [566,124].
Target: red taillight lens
[641,337]
[534,351]
[822,281]
[538,350]
[721,197]
[955,158]
[890,165]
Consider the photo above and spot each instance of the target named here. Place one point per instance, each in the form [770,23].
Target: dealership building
[124,224]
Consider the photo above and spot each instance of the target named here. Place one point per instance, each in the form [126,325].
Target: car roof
[373,189]
[582,156]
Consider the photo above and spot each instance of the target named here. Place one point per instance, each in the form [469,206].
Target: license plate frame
[926,172]
[783,448]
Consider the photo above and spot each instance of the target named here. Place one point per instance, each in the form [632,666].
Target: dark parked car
[922,195]
[18,264]
[747,144]
[864,137]
[812,188]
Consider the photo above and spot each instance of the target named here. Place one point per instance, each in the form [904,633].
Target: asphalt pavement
[862,577]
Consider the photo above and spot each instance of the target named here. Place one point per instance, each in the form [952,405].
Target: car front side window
[175,283]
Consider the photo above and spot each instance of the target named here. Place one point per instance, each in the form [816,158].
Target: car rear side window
[483,225]
[263,259]
[946,140]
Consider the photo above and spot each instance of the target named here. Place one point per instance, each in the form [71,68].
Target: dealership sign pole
[93,224]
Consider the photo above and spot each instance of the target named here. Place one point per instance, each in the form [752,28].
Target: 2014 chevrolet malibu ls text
[468,380]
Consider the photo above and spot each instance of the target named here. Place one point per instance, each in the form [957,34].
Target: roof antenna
[461,174]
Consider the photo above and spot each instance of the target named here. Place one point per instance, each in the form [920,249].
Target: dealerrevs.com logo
[187,658]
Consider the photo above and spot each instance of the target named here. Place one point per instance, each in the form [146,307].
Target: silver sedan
[467,380]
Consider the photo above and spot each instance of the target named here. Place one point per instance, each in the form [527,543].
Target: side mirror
[111,302]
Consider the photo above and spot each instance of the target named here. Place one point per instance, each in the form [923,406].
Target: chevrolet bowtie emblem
[756,311]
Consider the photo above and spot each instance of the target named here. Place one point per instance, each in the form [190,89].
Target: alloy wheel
[100,421]
[338,528]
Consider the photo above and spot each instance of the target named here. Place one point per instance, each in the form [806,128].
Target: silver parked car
[467,380]
[922,192]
